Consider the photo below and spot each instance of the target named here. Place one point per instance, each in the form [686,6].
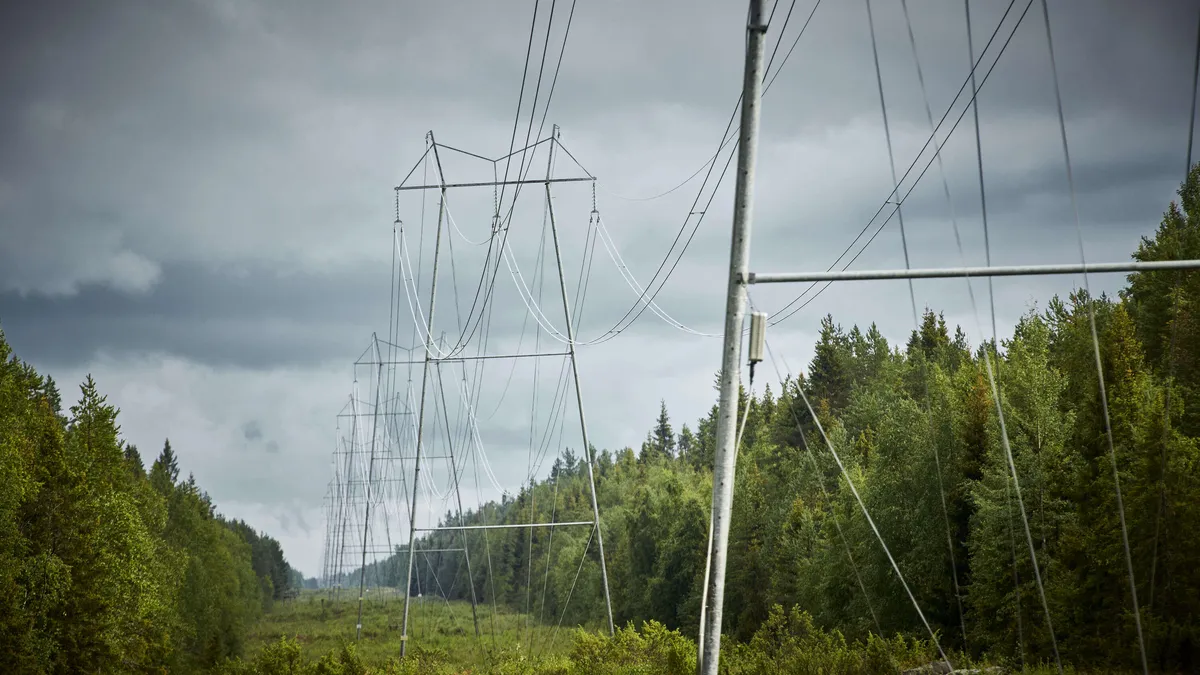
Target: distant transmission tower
[387,440]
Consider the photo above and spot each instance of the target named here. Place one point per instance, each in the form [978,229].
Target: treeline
[918,432]
[105,566]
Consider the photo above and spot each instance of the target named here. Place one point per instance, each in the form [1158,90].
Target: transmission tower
[400,428]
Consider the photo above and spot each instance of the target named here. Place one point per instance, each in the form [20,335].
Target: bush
[653,651]
[790,642]
[278,658]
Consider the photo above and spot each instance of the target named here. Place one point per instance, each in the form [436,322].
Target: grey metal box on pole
[758,336]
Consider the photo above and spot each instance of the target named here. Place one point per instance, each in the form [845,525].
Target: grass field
[322,622]
[319,624]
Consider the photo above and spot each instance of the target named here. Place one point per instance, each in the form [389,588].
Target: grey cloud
[252,318]
[252,431]
[300,522]
[285,522]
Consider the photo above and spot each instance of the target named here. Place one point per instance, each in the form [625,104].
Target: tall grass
[314,635]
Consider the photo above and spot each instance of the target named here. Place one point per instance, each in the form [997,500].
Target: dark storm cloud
[247,318]
[144,134]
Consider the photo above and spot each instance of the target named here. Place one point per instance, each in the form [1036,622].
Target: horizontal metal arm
[492,183]
[501,527]
[482,357]
[952,272]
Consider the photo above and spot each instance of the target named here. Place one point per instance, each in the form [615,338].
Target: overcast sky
[196,200]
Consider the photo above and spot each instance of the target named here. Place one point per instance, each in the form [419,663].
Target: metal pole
[345,516]
[362,569]
[954,272]
[458,493]
[704,594]
[335,498]
[324,542]
[724,463]
[328,529]
[324,580]
[337,520]
[587,448]
[437,245]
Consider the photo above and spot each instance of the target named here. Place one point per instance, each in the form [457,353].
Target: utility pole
[412,524]
[724,464]
[362,569]
[587,448]
[327,505]
[347,487]
[458,494]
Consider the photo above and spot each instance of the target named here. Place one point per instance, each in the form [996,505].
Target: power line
[863,507]
[1062,124]
[892,196]
[625,321]
[522,170]
[508,157]
[925,380]
[521,94]
[1162,485]
[726,137]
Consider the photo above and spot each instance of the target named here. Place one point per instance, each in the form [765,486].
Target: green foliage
[653,650]
[920,435]
[787,642]
[280,658]
[103,567]
[790,642]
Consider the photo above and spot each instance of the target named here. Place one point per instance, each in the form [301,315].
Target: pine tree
[133,459]
[663,440]
[706,441]
[1039,429]
[829,376]
[685,443]
[164,473]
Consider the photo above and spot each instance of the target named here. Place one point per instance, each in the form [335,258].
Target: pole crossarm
[957,272]
[516,526]
[456,359]
[495,183]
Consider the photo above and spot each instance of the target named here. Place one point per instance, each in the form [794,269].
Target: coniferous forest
[916,426]
[107,566]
